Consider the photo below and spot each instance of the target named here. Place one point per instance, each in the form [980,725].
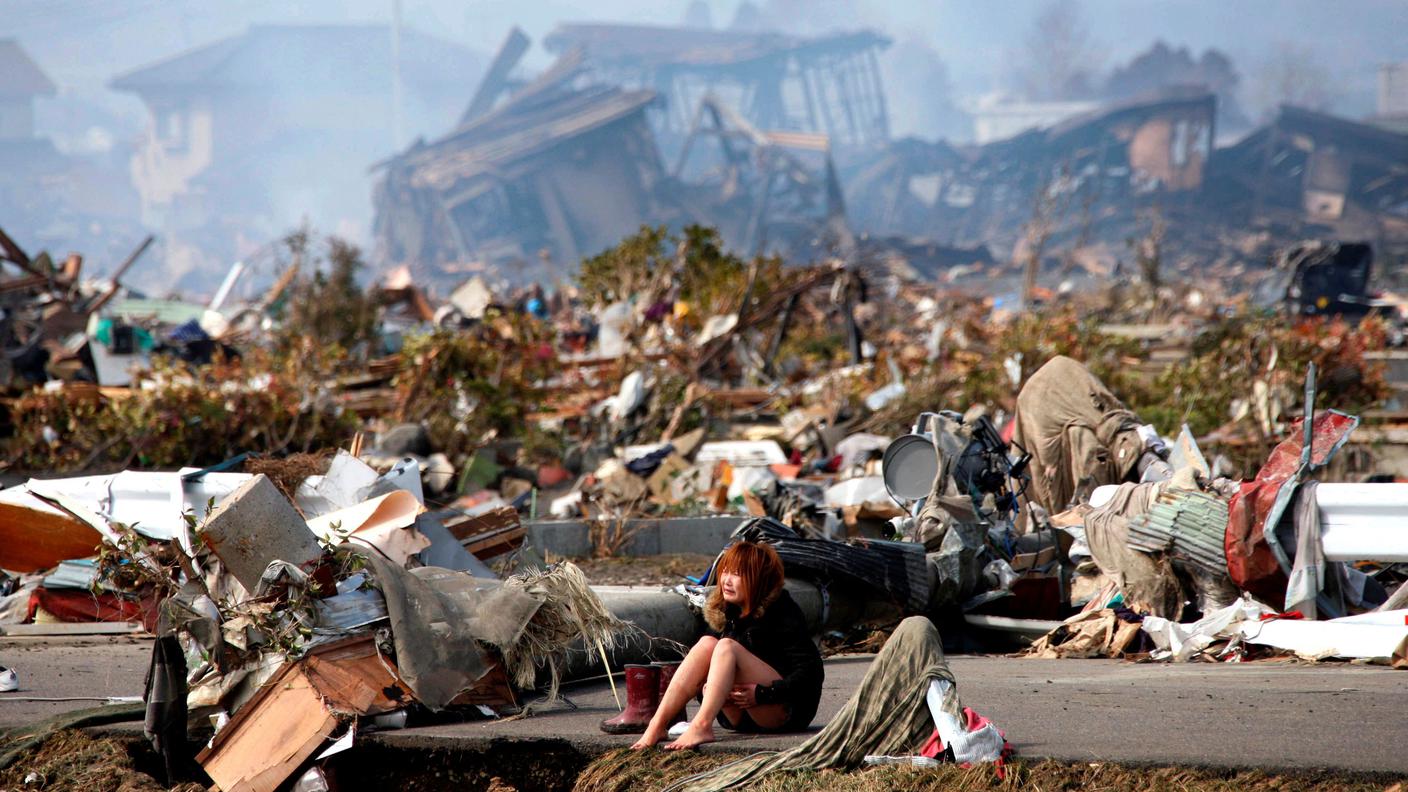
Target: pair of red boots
[645,688]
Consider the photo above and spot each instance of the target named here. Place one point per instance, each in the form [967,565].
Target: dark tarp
[896,569]
[438,619]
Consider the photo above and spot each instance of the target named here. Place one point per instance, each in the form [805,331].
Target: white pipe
[1364,522]
[223,293]
[1334,638]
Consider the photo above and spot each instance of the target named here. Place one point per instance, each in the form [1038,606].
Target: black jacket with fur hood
[777,633]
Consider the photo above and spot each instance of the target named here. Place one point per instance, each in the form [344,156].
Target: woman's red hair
[759,566]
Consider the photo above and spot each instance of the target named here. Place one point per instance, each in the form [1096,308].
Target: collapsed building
[569,163]
[558,173]
[1096,178]
[782,144]
[1314,174]
[828,84]
[1092,170]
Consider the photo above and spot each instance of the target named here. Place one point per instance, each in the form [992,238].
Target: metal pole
[398,133]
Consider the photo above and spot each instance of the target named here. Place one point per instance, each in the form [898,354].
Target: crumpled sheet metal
[1186,523]
[1255,560]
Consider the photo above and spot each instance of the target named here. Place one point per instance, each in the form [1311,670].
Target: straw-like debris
[570,611]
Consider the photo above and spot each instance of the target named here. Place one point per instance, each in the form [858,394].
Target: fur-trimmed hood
[715,617]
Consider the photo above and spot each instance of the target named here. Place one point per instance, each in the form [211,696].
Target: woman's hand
[744,696]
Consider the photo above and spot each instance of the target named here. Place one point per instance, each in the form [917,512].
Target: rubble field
[672,378]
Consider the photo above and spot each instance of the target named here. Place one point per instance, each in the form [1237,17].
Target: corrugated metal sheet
[351,610]
[76,574]
[1186,524]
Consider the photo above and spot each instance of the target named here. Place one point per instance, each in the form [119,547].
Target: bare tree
[1059,56]
[1293,75]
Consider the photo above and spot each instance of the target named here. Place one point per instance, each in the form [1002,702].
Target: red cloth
[972,721]
[76,605]
[1250,562]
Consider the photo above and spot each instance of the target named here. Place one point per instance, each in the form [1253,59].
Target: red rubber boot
[642,697]
[667,672]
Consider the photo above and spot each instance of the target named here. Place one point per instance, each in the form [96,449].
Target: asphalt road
[1269,715]
[89,668]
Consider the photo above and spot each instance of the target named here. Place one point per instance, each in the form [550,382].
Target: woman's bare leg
[730,665]
[684,685]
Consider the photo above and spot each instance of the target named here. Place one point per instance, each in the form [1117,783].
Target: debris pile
[907,448]
[288,623]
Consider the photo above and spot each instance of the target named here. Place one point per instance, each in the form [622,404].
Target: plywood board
[271,737]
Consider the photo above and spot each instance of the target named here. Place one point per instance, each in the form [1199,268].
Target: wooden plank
[492,690]
[495,80]
[271,737]
[497,543]
[343,690]
[465,527]
[351,674]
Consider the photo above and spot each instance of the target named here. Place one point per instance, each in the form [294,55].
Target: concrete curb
[665,536]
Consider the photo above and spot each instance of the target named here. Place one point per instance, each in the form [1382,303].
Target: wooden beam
[495,80]
[117,274]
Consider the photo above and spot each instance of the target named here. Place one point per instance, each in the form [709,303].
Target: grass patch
[621,770]
[72,760]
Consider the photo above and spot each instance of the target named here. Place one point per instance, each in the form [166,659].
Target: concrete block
[255,525]
[701,535]
[560,537]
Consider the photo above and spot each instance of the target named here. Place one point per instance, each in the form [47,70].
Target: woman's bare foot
[650,738]
[693,737]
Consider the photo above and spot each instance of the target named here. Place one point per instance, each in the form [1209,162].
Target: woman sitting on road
[758,667]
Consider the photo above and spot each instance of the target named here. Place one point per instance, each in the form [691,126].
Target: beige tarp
[1148,583]
[1079,435]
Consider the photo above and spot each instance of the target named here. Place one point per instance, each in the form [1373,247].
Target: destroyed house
[1083,171]
[1315,174]
[21,81]
[23,156]
[558,173]
[283,110]
[829,84]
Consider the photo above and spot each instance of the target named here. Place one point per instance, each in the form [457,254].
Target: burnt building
[1077,176]
[539,174]
[1312,174]
[554,174]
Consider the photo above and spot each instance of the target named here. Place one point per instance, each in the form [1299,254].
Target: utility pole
[398,132]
